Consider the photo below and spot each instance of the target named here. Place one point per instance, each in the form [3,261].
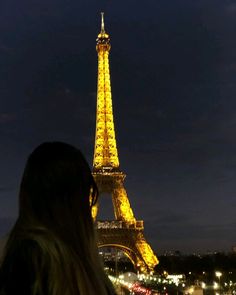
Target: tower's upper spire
[103,37]
[102,23]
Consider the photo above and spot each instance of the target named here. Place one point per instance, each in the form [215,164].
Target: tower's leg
[146,252]
[121,204]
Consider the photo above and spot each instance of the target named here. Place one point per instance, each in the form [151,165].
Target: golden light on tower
[105,153]
[125,232]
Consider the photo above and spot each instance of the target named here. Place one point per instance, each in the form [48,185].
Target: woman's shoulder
[27,259]
[20,252]
[19,266]
[28,247]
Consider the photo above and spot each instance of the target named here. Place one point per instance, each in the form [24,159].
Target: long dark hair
[57,193]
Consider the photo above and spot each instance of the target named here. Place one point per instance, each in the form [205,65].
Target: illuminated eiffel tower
[124,232]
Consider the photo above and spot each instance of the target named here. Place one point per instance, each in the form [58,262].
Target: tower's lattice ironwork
[124,232]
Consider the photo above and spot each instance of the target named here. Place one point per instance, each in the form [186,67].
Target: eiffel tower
[124,232]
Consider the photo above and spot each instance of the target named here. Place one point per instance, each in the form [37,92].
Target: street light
[218,275]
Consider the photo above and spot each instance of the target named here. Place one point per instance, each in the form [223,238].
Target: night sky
[173,74]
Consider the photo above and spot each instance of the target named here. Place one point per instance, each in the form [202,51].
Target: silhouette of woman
[52,247]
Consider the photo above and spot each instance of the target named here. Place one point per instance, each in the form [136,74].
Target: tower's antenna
[102,23]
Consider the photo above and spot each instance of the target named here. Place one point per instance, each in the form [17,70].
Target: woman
[52,248]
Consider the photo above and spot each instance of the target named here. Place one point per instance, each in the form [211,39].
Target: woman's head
[57,189]
[56,195]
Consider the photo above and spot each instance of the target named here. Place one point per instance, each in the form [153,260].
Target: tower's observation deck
[124,231]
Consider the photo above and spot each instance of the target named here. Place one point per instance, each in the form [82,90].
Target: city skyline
[173,74]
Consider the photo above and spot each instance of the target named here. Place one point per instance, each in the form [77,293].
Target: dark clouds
[173,81]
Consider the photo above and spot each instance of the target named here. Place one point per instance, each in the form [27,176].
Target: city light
[218,274]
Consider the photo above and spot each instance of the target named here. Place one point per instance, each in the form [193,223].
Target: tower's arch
[128,252]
